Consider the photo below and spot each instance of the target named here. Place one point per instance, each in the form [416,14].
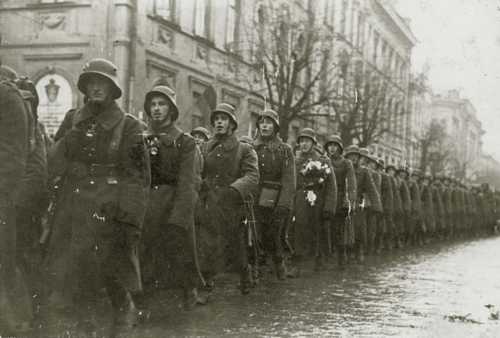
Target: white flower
[311,197]
[321,180]
[328,171]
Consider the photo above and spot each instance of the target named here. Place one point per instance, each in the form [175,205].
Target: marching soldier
[448,207]
[395,228]
[439,208]
[406,205]
[455,206]
[276,187]
[373,216]
[428,207]
[342,231]
[15,306]
[368,197]
[100,210]
[168,231]
[387,196]
[231,176]
[32,199]
[201,136]
[415,229]
[315,201]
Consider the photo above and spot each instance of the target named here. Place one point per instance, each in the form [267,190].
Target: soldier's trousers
[98,254]
[270,227]
[169,254]
[360,220]
[375,229]
[15,302]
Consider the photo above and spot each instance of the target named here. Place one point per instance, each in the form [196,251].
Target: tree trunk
[284,128]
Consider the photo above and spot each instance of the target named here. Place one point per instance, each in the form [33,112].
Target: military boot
[360,254]
[246,280]
[280,269]
[319,265]
[192,298]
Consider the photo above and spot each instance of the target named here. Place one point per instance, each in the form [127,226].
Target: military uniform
[169,222]
[439,209]
[368,199]
[312,219]
[230,176]
[415,217]
[394,221]
[406,206]
[276,191]
[428,209]
[101,206]
[341,229]
[386,227]
[15,306]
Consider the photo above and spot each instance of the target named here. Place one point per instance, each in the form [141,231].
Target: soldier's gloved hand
[229,196]
[281,212]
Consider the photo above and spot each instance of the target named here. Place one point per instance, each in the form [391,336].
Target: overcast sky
[460,41]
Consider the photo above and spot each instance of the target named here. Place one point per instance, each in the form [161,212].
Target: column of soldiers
[126,207]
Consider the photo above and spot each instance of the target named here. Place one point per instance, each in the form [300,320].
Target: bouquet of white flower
[315,174]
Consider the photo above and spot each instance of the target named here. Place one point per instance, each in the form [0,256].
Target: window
[324,12]
[390,60]
[383,54]
[360,31]
[376,39]
[165,9]
[232,24]
[201,18]
[343,17]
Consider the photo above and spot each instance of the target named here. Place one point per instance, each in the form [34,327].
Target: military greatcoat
[229,166]
[15,304]
[102,202]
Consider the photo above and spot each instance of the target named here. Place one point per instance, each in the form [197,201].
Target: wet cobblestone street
[407,293]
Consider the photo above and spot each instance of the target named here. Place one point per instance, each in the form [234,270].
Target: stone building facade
[464,130]
[203,47]
[192,43]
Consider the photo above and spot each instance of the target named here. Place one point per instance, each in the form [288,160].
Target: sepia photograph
[249,168]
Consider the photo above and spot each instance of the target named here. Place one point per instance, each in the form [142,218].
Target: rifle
[48,221]
[250,221]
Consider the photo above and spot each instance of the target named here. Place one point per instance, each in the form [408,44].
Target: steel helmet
[381,163]
[335,139]
[352,150]
[309,133]
[165,91]
[202,131]
[8,73]
[273,115]
[101,67]
[227,109]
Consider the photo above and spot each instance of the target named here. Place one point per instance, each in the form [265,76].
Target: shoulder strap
[116,139]
[239,155]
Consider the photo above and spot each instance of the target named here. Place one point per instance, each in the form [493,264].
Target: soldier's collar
[106,119]
[227,142]
[273,140]
[171,130]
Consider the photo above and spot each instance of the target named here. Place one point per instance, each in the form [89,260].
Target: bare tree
[293,51]
[365,104]
[435,152]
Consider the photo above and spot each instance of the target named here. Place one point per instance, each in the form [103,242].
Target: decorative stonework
[53,21]
[201,52]
[165,37]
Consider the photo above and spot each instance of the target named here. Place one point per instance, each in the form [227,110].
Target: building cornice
[398,21]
